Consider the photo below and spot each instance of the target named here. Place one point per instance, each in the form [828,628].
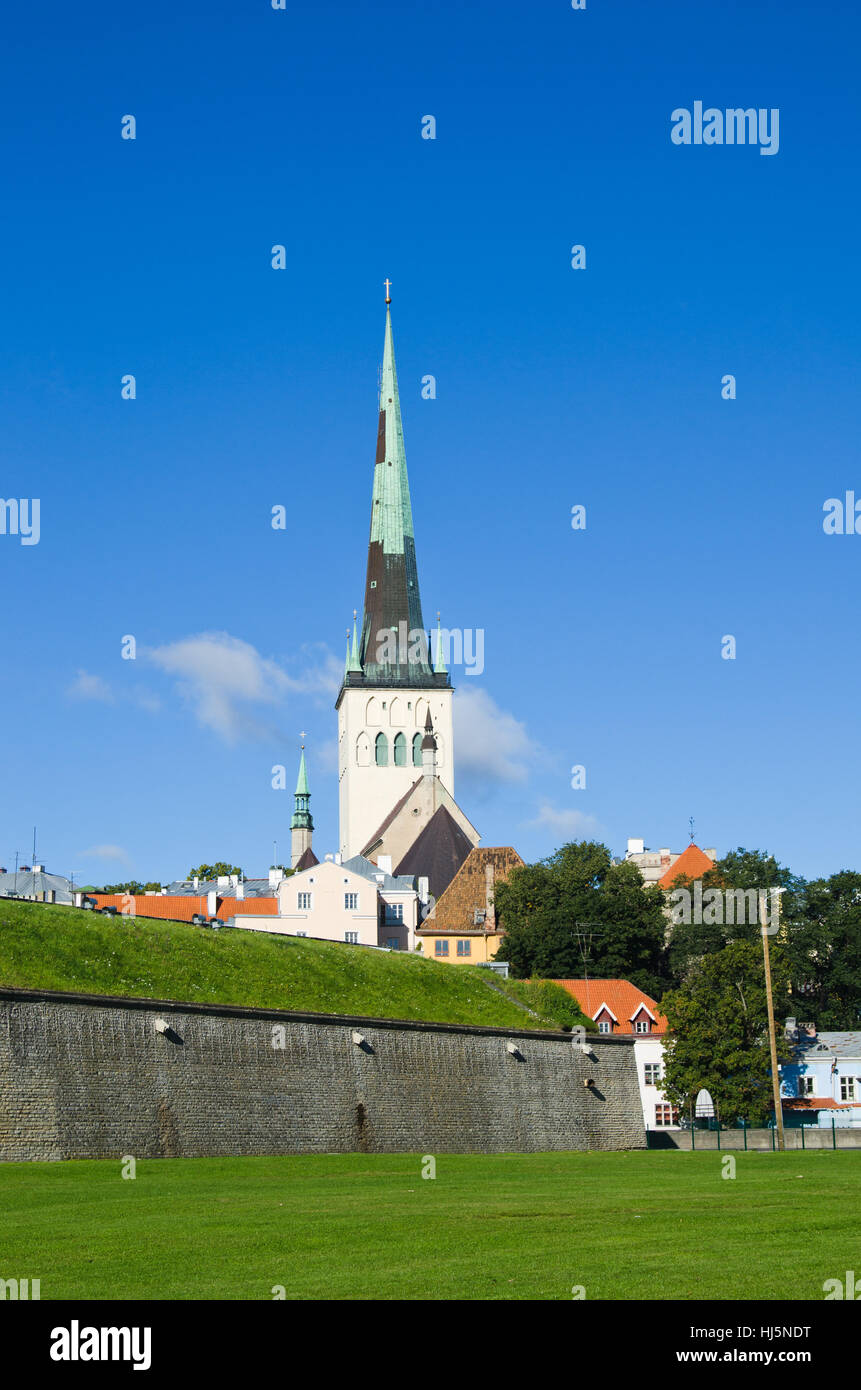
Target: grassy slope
[653,1225]
[63,948]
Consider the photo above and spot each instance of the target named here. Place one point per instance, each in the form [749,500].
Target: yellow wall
[482,948]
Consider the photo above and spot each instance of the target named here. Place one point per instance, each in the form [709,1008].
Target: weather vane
[691,824]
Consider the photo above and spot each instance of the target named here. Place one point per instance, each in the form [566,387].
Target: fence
[718,1137]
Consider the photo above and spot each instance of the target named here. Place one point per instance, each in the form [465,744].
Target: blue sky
[555,387]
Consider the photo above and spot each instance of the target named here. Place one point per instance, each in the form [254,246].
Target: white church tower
[393,678]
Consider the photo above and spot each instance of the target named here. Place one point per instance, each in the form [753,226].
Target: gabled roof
[818,1103]
[468,890]
[622,999]
[437,853]
[692,863]
[393,814]
[308,860]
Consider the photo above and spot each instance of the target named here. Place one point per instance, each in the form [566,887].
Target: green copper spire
[393,607]
[353,663]
[302,813]
[439,665]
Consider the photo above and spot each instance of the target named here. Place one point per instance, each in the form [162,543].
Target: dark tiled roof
[308,860]
[466,892]
[437,853]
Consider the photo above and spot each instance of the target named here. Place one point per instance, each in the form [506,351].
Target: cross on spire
[388,285]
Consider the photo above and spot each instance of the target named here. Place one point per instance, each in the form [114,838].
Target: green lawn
[646,1225]
[64,948]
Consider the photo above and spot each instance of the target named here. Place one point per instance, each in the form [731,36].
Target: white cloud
[564,822]
[112,852]
[491,746]
[227,681]
[88,687]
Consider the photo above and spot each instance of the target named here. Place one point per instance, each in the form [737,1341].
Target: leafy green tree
[718,1032]
[578,913]
[822,943]
[740,869]
[133,886]
[217,870]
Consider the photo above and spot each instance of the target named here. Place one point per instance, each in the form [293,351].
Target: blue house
[822,1083]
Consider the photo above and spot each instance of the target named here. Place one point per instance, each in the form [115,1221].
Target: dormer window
[643,1025]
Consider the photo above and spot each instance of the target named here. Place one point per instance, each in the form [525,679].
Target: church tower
[301,825]
[393,681]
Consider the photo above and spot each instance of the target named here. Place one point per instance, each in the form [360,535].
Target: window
[643,1025]
[400,750]
[440,948]
[381,751]
[805,1086]
[351,902]
[351,937]
[847,1087]
[665,1115]
[652,1071]
[304,902]
[417,750]
[605,1026]
[394,912]
[464,948]
[393,942]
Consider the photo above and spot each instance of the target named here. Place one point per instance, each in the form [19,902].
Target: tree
[132,887]
[578,913]
[217,870]
[823,950]
[718,1032]
[740,868]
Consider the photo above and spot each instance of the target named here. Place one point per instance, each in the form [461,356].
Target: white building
[356,902]
[617,1006]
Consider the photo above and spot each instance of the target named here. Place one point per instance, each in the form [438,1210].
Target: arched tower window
[400,750]
[417,750]
[381,751]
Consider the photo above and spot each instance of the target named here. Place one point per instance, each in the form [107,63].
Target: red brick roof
[182,908]
[816,1103]
[622,998]
[691,863]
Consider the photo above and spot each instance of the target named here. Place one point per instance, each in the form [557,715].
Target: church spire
[301,825]
[393,610]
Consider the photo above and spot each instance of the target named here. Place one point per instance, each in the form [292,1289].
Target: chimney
[275,876]
[240,889]
[423,890]
[212,902]
[384,862]
[666,856]
[711,853]
[636,847]
[338,857]
[38,868]
[490,919]
[195,882]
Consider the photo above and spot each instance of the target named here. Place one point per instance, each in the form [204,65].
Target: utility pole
[775,1074]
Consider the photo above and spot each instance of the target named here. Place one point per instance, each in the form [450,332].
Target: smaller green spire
[353,663]
[439,664]
[302,801]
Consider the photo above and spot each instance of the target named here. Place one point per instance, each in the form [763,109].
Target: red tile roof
[691,863]
[816,1103]
[622,998]
[182,908]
